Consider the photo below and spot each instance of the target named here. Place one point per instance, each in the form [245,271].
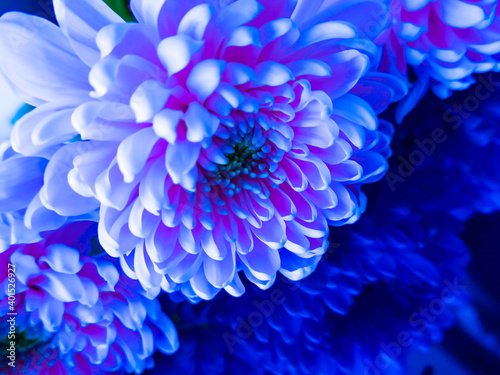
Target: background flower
[444,41]
[75,313]
[214,137]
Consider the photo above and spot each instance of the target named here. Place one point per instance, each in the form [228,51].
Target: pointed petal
[64,287]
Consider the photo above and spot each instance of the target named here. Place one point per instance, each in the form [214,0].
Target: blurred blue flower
[213,136]
[75,313]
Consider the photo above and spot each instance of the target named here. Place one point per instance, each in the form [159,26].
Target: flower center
[251,160]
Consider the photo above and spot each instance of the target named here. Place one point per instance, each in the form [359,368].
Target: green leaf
[121,7]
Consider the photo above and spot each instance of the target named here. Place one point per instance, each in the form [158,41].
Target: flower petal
[20,180]
[134,152]
[51,314]
[180,158]
[204,78]
[195,22]
[63,287]
[38,60]
[175,52]
[56,194]
[80,21]
[199,122]
[149,98]
[63,259]
[263,262]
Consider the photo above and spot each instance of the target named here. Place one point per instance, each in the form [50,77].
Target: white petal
[205,78]
[149,98]
[134,152]
[36,57]
[175,52]
[80,21]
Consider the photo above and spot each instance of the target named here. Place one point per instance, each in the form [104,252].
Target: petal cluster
[446,41]
[75,313]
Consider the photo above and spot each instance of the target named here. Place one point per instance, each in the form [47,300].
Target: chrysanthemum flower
[214,137]
[445,41]
[75,314]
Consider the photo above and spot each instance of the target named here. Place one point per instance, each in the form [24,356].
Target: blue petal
[200,123]
[149,98]
[237,14]
[56,194]
[51,313]
[20,180]
[25,266]
[134,152]
[176,52]
[64,287]
[180,158]
[63,259]
[270,73]
[40,64]
[195,22]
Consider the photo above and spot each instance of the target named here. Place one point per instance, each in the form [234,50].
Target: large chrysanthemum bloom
[445,41]
[75,313]
[215,137]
